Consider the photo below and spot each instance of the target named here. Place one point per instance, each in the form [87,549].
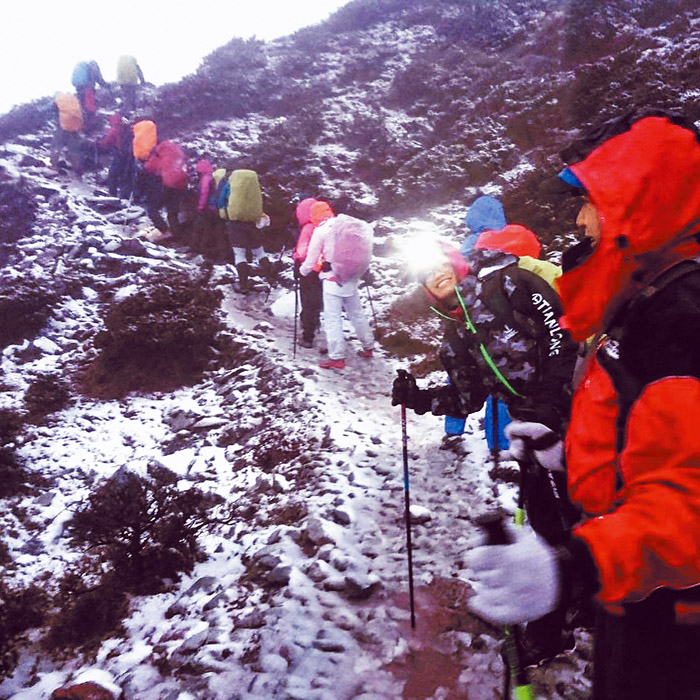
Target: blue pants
[455,426]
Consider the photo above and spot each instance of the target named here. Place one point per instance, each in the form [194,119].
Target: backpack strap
[627,385]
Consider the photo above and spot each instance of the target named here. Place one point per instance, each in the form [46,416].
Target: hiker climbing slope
[165,182]
[129,77]
[119,142]
[69,127]
[244,228]
[501,339]
[86,76]
[310,285]
[345,243]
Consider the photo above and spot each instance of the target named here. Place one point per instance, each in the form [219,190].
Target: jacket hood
[486,213]
[204,167]
[514,239]
[320,211]
[645,184]
[456,259]
[303,210]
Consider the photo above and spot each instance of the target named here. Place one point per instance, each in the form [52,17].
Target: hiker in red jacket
[310,286]
[165,184]
[632,445]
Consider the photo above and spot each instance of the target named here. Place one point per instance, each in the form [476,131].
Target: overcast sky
[41,40]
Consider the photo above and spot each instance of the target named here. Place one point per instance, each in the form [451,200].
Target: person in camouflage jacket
[502,338]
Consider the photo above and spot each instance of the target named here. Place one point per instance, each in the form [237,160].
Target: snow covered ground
[305,595]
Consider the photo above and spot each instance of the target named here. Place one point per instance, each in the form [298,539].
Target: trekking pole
[496,449]
[407,511]
[296,310]
[377,333]
[517,675]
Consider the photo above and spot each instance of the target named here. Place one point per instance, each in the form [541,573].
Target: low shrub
[46,394]
[17,213]
[12,476]
[156,340]
[85,615]
[25,305]
[144,529]
[10,424]
[20,609]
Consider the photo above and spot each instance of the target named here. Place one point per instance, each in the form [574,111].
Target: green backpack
[245,197]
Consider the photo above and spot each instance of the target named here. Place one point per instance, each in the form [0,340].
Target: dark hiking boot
[243,283]
[267,269]
[306,342]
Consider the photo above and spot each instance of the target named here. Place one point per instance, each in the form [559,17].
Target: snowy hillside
[295,583]
[303,591]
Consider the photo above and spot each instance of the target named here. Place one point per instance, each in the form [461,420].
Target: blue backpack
[219,198]
[81,75]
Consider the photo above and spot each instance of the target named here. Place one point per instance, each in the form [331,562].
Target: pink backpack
[351,249]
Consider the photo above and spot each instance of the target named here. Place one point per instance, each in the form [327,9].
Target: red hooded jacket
[641,494]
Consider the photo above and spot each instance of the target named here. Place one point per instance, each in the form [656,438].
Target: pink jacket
[303,213]
[205,170]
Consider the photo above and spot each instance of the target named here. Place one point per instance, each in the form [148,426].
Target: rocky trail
[304,596]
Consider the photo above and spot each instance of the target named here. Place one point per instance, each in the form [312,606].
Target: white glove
[523,438]
[516,582]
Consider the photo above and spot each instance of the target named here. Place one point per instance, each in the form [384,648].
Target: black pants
[120,178]
[208,236]
[644,654]
[158,197]
[311,298]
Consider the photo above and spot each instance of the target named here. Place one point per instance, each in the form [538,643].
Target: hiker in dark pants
[501,339]
[118,141]
[208,228]
[310,286]
[632,444]
[164,183]
[244,228]
[129,77]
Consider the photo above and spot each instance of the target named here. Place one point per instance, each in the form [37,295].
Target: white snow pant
[240,255]
[333,306]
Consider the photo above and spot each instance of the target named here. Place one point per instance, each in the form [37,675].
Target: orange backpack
[145,139]
[70,115]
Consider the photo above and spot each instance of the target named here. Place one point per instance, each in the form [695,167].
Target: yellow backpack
[70,115]
[245,198]
[542,268]
[145,139]
[127,71]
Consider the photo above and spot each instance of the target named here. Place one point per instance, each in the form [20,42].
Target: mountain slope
[410,108]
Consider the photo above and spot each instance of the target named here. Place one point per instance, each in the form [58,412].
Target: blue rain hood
[486,214]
